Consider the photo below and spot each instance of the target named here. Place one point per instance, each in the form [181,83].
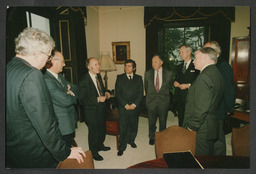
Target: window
[39,22]
[171,38]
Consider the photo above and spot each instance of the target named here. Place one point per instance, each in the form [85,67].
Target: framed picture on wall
[121,51]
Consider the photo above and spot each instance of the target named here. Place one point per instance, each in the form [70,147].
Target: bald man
[158,82]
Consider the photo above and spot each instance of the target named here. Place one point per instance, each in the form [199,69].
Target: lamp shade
[106,62]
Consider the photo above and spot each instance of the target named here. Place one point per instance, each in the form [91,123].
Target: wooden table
[242,116]
[207,161]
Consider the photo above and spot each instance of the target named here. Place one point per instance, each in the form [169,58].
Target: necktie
[157,81]
[60,81]
[130,77]
[184,68]
[98,86]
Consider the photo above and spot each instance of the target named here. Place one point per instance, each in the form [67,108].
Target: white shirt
[129,75]
[187,64]
[94,81]
[53,73]
[160,75]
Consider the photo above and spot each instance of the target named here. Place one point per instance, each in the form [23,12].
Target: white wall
[123,24]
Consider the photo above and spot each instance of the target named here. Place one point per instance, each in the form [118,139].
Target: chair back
[240,141]
[174,139]
[73,164]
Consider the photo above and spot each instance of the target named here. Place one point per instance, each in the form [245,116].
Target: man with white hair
[185,75]
[202,102]
[226,107]
[33,139]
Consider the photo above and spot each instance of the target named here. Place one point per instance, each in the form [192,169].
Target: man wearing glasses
[64,97]
[33,139]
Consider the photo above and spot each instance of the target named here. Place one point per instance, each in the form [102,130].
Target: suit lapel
[53,78]
[62,81]
[152,74]
[93,87]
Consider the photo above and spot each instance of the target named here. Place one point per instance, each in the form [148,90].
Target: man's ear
[48,64]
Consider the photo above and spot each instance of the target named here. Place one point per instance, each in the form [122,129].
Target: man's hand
[127,107]
[176,84]
[184,86]
[77,153]
[69,91]
[130,107]
[101,99]
[107,94]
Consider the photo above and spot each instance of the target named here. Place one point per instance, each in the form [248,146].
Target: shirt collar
[188,63]
[129,75]
[53,73]
[93,76]
[206,66]
[160,70]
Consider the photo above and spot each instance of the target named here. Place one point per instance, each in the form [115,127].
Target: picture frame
[121,51]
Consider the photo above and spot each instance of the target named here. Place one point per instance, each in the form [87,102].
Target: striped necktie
[157,81]
[99,86]
[184,68]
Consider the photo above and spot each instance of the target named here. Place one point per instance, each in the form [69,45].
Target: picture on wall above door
[121,51]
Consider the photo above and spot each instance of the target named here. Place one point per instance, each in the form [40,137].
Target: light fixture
[107,65]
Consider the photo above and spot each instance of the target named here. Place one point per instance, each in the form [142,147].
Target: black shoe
[120,152]
[133,145]
[151,141]
[105,148]
[97,157]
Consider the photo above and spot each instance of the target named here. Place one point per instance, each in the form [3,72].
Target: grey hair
[188,48]
[215,45]
[210,52]
[32,40]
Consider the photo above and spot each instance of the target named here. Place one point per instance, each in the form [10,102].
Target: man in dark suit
[129,94]
[185,75]
[203,100]
[92,95]
[33,139]
[226,107]
[64,97]
[157,82]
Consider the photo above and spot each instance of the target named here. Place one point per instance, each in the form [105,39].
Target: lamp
[106,64]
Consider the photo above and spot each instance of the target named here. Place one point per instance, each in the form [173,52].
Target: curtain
[217,18]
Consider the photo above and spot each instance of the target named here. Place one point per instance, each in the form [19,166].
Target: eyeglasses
[49,56]
[63,61]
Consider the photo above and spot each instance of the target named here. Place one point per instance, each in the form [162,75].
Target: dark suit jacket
[163,96]
[63,103]
[229,98]
[88,95]
[202,102]
[129,91]
[188,77]
[33,138]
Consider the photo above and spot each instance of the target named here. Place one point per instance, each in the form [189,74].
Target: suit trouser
[128,121]
[203,146]
[220,144]
[153,112]
[96,129]
[180,108]
[211,147]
